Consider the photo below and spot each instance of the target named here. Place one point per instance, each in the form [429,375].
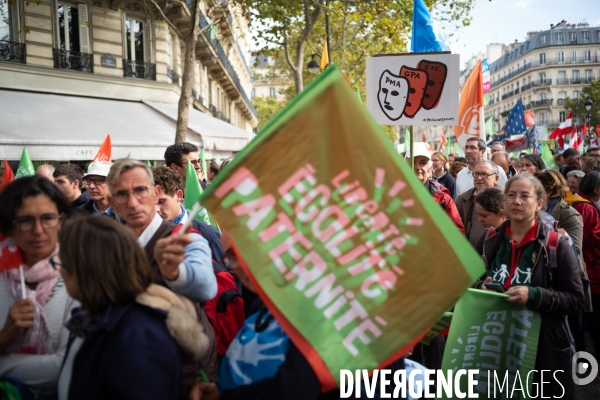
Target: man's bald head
[501,159]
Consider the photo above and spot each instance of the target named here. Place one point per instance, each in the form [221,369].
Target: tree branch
[288,58]
[168,21]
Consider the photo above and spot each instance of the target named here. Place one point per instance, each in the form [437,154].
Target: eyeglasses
[140,193]
[54,262]
[48,221]
[472,148]
[481,175]
[96,182]
[514,196]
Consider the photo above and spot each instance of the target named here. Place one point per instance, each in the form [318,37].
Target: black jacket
[80,201]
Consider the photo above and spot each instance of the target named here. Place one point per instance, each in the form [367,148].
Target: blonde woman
[441,174]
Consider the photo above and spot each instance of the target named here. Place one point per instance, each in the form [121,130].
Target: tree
[576,105]
[266,108]
[293,31]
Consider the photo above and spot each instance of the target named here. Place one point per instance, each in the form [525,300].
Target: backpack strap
[552,248]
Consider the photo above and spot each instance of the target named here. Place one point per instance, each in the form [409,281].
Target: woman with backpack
[589,191]
[517,257]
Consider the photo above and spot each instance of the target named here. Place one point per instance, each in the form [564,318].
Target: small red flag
[105,152]
[584,129]
[7,177]
[10,255]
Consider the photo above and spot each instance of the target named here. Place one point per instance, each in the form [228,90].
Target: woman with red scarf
[517,258]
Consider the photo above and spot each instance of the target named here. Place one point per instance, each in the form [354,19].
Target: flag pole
[23,294]
[412,147]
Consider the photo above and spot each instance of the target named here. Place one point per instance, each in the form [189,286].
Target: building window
[543,78]
[559,37]
[574,56]
[562,78]
[253,94]
[272,92]
[138,40]
[542,39]
[588,76]
[575,94]
[575,76]
[542,96]
[562,95]
[562,116]
[542,118]
[587,55]
[9,22]
[542,58]
[586,35]
[573,36]
[561,56]
[73,33]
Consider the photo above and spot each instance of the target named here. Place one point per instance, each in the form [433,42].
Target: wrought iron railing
[561,102]
[213,110]
[139,69]
[539,103]
[12,51]
[73,60]
[225,60]
[173,75]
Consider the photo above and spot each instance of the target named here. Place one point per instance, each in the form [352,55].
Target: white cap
[99,168]
[420,148]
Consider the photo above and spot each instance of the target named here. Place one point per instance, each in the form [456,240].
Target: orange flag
[470,108]
[324,57]
[104,154]
[529,120]
[7,177]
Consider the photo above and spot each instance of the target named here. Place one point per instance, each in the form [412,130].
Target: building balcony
[139,69]
[541,83]
[525,87]
[73,60]
[561,102]
[12,51]
[539,104]
[507,95]
[221,67]
[492,101]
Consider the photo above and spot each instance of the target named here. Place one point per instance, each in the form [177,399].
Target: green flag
[492,335]
[193,191]
[547,156]
[406,138]
[203,159]
[358,96]
[326,235]
[213,32]
[489,126]
[25,165]
[149,164]
[218,160]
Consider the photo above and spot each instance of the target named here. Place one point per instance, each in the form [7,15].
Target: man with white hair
[441,195]
[45,170]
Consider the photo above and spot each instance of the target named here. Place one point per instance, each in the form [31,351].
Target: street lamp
[588,108]
[313,65]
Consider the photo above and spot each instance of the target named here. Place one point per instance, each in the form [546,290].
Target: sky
[503,21]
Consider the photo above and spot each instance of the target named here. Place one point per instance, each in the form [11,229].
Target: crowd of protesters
[128,297]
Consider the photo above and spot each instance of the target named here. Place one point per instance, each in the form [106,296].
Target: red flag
[423,137]
[7,177]
[443,141]
[104,154]
[595,142]
[520,143]
[564,128]
[10,255]
[584,129]
[529,120]
[576,140]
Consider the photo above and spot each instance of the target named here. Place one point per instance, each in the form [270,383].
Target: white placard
[413,89]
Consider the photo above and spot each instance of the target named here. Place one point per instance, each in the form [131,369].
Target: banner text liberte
[355,239]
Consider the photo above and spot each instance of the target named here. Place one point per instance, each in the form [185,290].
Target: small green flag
[489,126]
[193,191]
[213,32]
[218,160]
[149,164]
[25,165]
[203,158]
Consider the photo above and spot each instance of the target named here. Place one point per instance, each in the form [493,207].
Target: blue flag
[515,122]
[426,35]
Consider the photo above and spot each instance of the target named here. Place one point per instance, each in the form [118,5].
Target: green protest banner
[440,326]
[25,165]
[547,156]
[340,238]
[496,337]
